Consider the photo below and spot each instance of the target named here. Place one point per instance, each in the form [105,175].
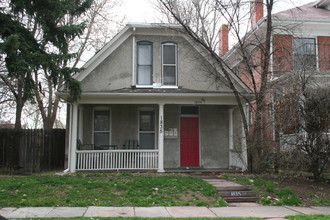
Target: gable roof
[129,30]
[114,43]
[309,11]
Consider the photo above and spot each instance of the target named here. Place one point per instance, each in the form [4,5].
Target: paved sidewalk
[266,212]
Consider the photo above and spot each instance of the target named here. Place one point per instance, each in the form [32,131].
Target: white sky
[143,11]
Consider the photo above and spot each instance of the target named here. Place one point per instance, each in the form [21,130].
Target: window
[147,129]
[189,110]
[144,63]
[101,127]
[304,53]
[169,62]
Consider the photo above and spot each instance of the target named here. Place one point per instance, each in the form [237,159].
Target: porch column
[243,142]
[230,136]
[80,124]
[161,139]
[231,142]
[73,141]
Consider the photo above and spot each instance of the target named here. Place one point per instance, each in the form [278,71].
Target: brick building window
[304,53]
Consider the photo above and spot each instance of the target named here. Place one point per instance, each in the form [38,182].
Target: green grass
[318,200]
[308,217]
[268,191]
[137,218]
[107,190]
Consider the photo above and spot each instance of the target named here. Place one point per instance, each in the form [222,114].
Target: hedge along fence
[31,150]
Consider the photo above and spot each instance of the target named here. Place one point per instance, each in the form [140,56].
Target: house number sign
[161,125]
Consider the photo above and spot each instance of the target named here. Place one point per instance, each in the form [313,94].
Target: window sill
[155,86]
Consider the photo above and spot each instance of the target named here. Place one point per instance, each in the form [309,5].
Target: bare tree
[200,20]
[303,116]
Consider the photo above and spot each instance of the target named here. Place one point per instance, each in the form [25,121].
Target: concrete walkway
[265,212]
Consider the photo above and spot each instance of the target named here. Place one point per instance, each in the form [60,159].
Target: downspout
[133,60]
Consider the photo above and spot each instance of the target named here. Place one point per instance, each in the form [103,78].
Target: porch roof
[155,96]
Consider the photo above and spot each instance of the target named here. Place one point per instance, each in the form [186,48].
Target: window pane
[169,75]
[304,45]
[144,75]
[147,121]
[147,141]
[101,138]
[169,54]
[189,110]
[304,53]
[101,120]
[144,54]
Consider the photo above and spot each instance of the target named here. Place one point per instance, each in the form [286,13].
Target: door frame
[199,136]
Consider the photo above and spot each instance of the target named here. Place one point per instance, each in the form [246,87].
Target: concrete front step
[237,194]
[240,199]
[233,188]
[231,191]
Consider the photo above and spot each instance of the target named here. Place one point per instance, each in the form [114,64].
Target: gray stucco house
[148,103]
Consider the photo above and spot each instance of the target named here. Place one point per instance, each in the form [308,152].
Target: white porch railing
[117,159]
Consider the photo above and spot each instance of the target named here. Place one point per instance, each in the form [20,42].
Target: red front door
[189,141]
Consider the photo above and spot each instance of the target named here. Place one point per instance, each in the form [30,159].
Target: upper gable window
[144,63]
[169,64]
[304,54]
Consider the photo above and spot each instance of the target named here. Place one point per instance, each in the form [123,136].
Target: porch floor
[200,170]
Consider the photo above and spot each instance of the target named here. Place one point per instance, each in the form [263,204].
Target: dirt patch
[309,191]
[60,192]
[195,196]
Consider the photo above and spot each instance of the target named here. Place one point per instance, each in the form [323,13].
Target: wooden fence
[28,150]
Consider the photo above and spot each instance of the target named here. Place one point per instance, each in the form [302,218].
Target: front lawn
[107,190]
[285,188]
[137,218]
[268,191]
[308,217]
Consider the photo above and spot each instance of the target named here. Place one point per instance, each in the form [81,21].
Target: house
[148,103]
[300,50]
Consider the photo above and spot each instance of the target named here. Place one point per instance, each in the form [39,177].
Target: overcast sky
[144,11]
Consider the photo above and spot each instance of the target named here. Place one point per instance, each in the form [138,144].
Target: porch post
[230,136]
[80,124]
[74,129]
[161,139]
[243,142]
[231,144]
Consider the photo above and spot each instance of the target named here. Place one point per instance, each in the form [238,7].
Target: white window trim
[176,65]
[144,109]
[137,85]
[99,108]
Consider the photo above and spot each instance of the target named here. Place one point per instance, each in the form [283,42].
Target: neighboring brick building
[300,40]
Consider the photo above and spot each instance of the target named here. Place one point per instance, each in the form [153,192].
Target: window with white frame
[169,63]
[147,131]
[101,128]
[144,63]
[304,53]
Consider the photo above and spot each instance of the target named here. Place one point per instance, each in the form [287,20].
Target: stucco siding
[172,144]
[237,130]
[214,136]
[115,72]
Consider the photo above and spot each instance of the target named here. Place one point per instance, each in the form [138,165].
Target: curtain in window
[101,128]
[144,64]
[169,64]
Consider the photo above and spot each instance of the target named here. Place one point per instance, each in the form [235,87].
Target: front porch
[159,136]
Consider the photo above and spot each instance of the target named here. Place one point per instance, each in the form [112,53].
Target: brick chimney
[256,11]
[223,40]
